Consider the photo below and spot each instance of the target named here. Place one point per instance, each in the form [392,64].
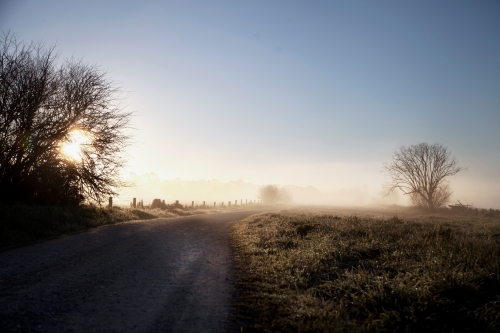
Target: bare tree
[420,171]
[42,102]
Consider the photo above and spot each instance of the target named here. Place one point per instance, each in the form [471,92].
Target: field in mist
[378,270]
[150,186]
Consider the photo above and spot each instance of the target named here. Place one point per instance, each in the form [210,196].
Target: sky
[316,93]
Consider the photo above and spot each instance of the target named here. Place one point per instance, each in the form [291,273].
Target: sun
[71,148]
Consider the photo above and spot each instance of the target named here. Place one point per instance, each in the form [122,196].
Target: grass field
[22,224]
[310,271]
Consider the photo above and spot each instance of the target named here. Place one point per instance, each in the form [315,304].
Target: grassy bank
[304,272]
[22,224]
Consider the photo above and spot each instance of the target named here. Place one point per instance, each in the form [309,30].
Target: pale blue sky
[291,92]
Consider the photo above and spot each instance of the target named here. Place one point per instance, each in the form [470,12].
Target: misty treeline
[42,100]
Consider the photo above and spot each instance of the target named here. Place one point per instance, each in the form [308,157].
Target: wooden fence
[159,203]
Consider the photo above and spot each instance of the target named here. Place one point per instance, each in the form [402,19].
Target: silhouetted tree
[42,102]
[420,171]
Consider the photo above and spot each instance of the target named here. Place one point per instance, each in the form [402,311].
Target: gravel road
[168,275]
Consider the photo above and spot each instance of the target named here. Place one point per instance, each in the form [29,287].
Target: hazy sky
[291,92]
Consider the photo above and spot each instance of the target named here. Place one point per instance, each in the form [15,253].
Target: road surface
[168,275]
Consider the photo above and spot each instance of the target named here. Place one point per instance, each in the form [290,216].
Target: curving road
[169,275]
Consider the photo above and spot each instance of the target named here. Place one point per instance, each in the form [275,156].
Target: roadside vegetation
[308,272]
[22,224]
[63,127]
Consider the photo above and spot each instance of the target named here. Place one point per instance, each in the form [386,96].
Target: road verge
[304,272]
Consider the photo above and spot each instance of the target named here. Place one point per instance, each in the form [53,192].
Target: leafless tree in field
[420,171]
[43,102]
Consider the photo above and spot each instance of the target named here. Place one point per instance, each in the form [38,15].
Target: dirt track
[170,275]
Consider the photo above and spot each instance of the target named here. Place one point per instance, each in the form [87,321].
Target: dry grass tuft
[302,272]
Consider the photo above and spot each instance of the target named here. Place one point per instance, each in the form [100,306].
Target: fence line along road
[160,203]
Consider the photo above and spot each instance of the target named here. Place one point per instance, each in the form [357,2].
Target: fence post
[134,202]
[203,203]
[192,204]
[110,202]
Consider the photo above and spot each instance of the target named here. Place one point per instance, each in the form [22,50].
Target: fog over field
[314,97]
[150,186]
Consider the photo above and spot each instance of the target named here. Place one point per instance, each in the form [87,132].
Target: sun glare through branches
[72,148]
